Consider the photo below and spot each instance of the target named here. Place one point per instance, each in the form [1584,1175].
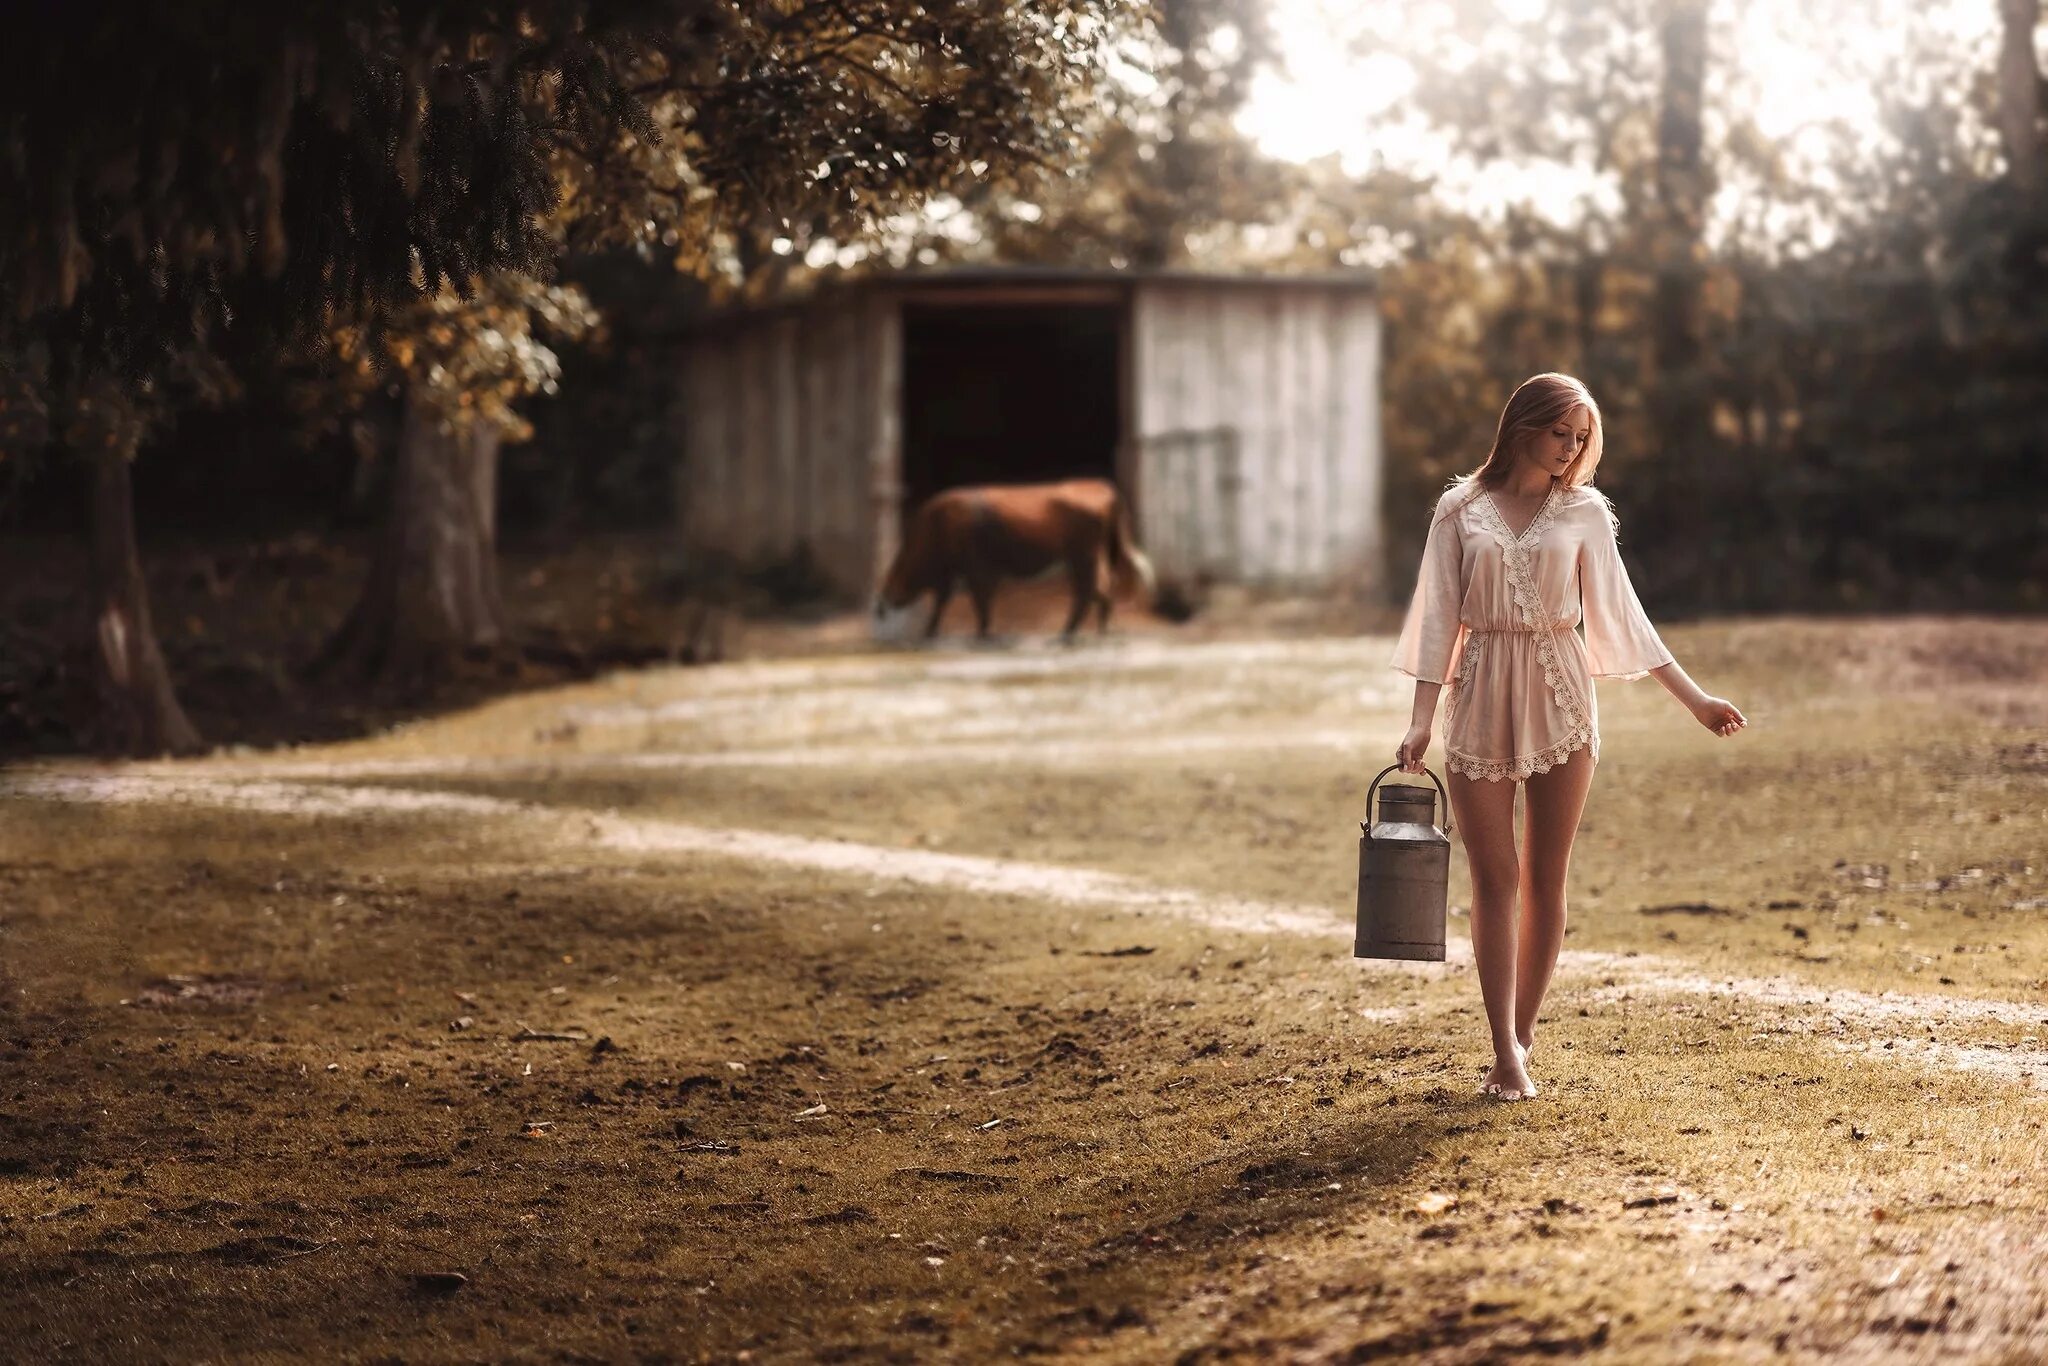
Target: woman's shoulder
[1455,495]
[1593,502]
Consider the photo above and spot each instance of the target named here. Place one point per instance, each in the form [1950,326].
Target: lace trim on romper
[1514,559]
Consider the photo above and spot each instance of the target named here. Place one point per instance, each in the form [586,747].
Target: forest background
[426,301]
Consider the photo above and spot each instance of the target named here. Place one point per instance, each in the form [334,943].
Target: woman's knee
[1544,880]
[1495,879]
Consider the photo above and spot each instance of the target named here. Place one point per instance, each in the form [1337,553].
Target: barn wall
[1255,418]
[778,424]
[1253,444]
[881,432]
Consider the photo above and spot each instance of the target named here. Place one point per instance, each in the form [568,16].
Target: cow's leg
[1084,579]
[1105,580]
[983,591]
[940,598]
[1082,584]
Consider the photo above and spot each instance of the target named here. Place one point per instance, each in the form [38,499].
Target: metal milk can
[1404,872]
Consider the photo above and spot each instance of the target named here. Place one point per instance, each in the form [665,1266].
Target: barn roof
[1043,282]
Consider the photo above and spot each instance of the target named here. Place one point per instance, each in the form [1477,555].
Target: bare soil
[968,1003]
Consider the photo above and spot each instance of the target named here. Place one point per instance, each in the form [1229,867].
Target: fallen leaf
[1436,1202]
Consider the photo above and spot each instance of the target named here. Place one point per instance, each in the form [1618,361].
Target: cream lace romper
[1493,616]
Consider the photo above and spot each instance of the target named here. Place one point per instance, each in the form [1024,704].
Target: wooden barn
[1239,414]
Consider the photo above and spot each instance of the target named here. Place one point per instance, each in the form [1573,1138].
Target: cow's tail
[1133,567]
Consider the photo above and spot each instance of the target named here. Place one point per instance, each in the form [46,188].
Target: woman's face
[1553,448]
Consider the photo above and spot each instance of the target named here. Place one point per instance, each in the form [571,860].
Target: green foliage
[298,165]
[467,360]
[1850,415]
[1167,178]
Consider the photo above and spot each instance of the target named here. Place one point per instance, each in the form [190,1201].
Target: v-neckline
[1519,536]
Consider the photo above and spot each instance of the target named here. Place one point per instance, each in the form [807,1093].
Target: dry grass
[1228,1146]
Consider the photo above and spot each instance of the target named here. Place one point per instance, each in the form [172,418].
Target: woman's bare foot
[1509,1079]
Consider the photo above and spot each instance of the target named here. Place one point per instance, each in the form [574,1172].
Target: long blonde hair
[1536,403]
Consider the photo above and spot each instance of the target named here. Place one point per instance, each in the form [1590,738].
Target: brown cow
[987,533]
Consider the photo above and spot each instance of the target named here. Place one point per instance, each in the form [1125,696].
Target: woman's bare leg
[1554,802]
[1485,812]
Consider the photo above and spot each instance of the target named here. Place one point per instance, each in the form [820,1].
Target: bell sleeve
[1431,632]
[1620,641]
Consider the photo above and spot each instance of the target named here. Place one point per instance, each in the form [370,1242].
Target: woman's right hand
[1413,746]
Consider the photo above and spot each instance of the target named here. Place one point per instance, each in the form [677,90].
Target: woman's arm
[1717,714]
[1416,743]
[1432,629]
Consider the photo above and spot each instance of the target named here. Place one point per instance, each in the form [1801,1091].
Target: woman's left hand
[1720,716]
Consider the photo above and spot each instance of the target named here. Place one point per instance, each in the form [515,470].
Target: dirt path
[1075,750]
[552,834]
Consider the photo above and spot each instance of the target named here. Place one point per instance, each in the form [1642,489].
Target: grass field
[985,1003]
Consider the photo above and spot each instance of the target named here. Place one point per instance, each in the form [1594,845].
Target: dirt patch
[1777,1004]
[851,1062]
[189,992]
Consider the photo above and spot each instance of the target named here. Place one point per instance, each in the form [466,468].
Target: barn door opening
[999,393]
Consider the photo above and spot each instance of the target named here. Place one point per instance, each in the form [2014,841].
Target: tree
[138,710]
[1680,406]
[2019,95]
[102,420]
[1170,180]
[294,168]
[460,367]
[1822,376]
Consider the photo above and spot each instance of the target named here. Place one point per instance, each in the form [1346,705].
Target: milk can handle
[1432,777]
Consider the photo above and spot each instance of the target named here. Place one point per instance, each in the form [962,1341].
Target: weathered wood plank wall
[779,432]
[1289,378]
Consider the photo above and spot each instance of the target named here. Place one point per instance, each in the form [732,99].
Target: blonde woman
[1520,552]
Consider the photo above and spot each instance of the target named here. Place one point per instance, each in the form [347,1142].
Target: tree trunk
[1682,188]
[2019,95]
[432,593]
[1589,297]
[1678,405]
[138,708]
